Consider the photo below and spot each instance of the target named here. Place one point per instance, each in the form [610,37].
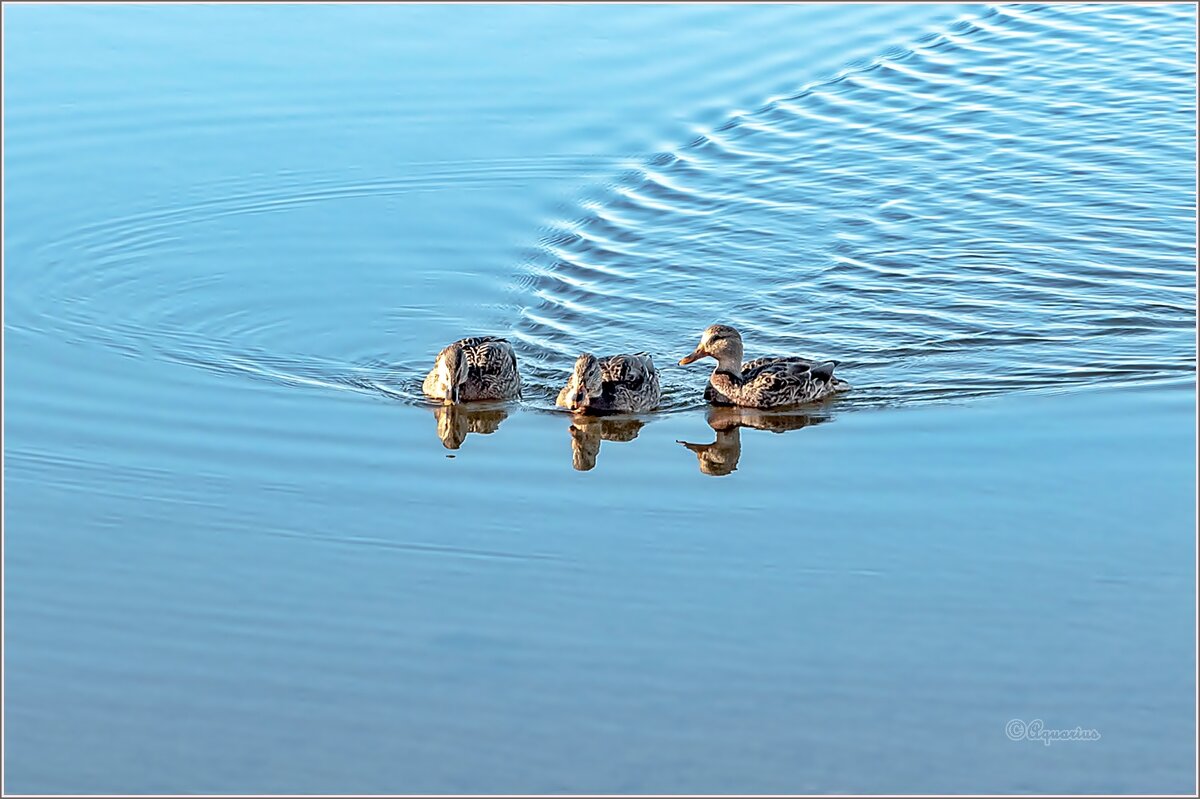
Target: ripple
[190,290]
[1004,205]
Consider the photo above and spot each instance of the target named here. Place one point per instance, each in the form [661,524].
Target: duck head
[721,342]
[584,385]
[452,373]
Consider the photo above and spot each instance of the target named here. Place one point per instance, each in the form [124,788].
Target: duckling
[763,382]
[478,368]
[612,384]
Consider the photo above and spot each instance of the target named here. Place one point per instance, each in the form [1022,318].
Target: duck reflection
[588,431]
[455,422]
[721,456]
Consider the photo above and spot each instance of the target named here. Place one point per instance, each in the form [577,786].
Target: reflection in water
[588,431]
[454,422]
[721,456]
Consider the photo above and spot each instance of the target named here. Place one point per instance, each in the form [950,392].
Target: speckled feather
[762,382]
[629,384]
[775,383]
[492,372]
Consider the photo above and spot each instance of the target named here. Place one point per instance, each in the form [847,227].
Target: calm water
[242,556]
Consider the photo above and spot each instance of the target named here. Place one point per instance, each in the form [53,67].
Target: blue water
[241,555]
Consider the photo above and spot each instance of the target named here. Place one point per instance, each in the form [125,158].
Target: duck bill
[692,358]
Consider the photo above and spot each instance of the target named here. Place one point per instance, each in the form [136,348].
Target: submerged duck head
[721,342]
[451,371]
[585,384]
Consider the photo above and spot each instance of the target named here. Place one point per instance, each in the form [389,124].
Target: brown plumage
[611,384]
[478,368]
[762,382]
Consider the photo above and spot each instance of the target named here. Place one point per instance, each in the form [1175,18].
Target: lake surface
[241,555]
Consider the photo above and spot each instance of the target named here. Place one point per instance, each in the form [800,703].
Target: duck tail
[824,371]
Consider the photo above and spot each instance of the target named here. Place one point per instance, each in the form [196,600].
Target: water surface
[241,555]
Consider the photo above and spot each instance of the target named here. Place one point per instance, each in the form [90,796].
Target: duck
[764,382]
[611,384]
[476,368]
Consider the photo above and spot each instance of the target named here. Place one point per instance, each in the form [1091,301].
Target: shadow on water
[456,422]
[721,457]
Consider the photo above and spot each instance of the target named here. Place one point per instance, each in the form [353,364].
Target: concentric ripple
[195,284]
[1005,205]
[1008,204]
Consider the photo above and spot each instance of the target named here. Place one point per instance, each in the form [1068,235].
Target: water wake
[1004,205]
